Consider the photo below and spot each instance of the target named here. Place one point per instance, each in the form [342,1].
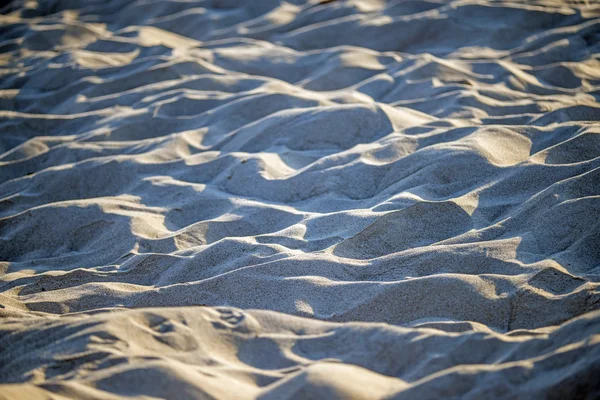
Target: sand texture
[281,200]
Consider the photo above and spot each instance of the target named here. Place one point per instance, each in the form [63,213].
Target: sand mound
[357,198]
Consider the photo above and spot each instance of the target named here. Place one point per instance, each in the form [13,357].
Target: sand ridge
[369,190]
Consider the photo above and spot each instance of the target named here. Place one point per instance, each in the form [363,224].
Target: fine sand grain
[276,200]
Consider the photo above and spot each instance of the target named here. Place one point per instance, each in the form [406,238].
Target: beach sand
[277,200]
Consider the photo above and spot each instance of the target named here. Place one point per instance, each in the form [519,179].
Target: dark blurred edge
[8,6]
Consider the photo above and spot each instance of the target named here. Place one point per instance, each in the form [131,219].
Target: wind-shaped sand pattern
[299,199]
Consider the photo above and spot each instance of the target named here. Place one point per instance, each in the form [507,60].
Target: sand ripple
[419,180]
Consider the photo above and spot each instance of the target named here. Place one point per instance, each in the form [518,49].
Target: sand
[277,200]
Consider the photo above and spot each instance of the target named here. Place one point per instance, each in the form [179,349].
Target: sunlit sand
[265,199]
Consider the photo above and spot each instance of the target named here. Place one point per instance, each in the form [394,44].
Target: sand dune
[353,199]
